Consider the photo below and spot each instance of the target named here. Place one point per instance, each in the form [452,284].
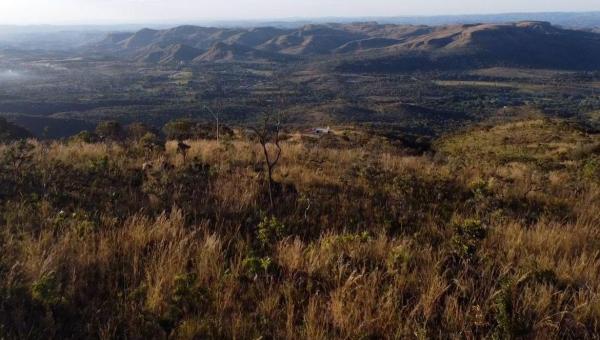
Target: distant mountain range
[577,20]
[366,46]
[71,37]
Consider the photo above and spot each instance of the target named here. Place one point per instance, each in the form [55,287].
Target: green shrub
[84,137]
[180,129]
[98,165]
[255,266]
[467,237]
[151,141]
[78,221]
[347,240]
[46,290]
[186,298]
[269,231]
[481,188]
[136,131]
[591,169]
[110,130]
[399,259]
[510,324]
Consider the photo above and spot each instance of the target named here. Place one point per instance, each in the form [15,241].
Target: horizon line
[285,19]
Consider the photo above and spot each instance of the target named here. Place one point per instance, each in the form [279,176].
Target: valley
[155,76]
[425,178]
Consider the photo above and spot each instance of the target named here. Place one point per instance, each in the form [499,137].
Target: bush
[136,131]
[180,129]
[47,291]
[591,169]
[468,235]
[85,137]
[151,142]
[255,266]
[110,131]
[95,245]
[509,323]
[269,231]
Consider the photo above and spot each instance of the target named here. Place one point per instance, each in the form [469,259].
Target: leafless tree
[268,133]
[182,149]
[217,103]
[215,115]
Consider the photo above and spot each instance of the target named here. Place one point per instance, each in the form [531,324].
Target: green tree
[151,142]
[84,137]
[180,129]
[110,130]
[136,131]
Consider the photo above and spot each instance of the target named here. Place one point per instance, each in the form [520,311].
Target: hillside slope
[375,47]
[496,236]
[169,54]
[525,44]
[10,131]
[236,52]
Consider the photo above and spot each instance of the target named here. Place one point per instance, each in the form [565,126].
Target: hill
[10,131]
[255,36]
[193,36]
[492,234]
[524,44]
[169,54]
[310,40]
[236,52]
[372,46]
[366,44]
[68,37]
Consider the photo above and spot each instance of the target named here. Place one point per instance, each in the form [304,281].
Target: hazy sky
[136,11]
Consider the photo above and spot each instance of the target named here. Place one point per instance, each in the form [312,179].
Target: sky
[25,12]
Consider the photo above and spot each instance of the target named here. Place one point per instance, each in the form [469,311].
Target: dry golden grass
[496,236]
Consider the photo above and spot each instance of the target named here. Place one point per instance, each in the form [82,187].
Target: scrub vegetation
[493,232]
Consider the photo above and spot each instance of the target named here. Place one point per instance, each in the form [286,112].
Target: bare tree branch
[269,134]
